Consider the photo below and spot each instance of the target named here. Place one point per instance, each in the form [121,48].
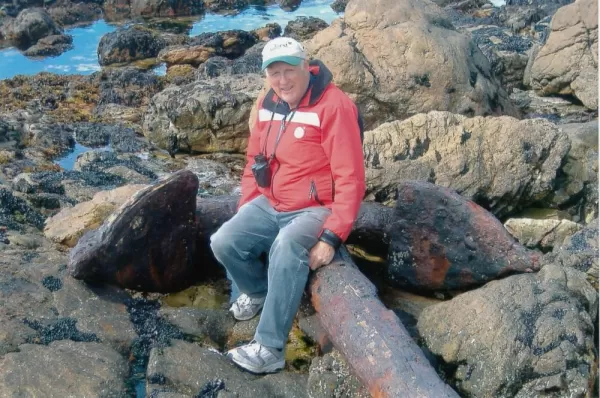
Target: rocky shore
[479,228]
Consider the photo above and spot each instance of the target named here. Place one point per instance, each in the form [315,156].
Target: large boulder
[568,63]
[29,26]
[527,335]
[400,58]
[207,116]
[499,162]
[130,250]
[129,44]
[439,240]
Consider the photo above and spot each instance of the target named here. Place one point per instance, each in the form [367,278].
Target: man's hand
[321,254]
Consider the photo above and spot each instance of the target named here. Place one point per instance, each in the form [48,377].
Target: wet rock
[157,8]
[64,368]
[76,13]
[129,44]
[268,32]
[129,251]
[508,53]
[205,116]
[568,63]
[230,44]
[521,15]
[556,109]
[339,6]
[500,163]
[331,377]
[50,46]
[29,26]
[580,251]
[106,162]
[98,310]
[118,137]
[541,234]
[70,224]
[128,87]
[250,62]
[304,28]
[16,214]
[225,5]
[23,294]
[208,325]
[289,5]
[579,177]
[526,335]
[53,139]
[425,65]
[442,241]
[187,368]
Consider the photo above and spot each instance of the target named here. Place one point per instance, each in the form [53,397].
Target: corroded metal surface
[149,244]
[440,240]
[373,340]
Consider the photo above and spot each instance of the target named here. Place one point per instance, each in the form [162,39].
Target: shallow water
[83,58]
[68,161]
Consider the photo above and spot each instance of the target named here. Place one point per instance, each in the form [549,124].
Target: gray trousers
[287,237]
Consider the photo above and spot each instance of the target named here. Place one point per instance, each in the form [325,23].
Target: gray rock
[526,335]
[99,310]
[507,53]
[158,8]
[206,116]
[580,172]
[105,162]
[289,5]
[304,28]
[201,323]
[330,377]
[63,368]
[339,6]
[16,214]
[26,280]
[129,44]
[580,252]
[187,368]
[215,177]
[76,13]
[118,137]
[250,62]
[50,46]
[499,162]
[556,109]
[127,86]
[567,64]
[541,234]
[29,26]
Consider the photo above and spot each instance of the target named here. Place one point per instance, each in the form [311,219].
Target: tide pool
[83,58]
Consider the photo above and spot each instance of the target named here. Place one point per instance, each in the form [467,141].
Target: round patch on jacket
[299,132]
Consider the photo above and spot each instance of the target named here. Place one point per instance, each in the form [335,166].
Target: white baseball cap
[283,49]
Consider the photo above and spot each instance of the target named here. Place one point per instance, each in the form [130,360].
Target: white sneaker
[257,358]
[245,307]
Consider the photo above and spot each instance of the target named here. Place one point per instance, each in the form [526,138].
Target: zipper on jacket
[313,192]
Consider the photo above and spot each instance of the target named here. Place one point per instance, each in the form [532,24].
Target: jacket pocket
[313,194]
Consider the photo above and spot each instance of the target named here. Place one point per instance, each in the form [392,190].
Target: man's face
[289,82]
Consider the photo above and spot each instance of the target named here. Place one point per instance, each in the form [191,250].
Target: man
[301,192]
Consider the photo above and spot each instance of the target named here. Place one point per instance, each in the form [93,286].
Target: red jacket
[319,158]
